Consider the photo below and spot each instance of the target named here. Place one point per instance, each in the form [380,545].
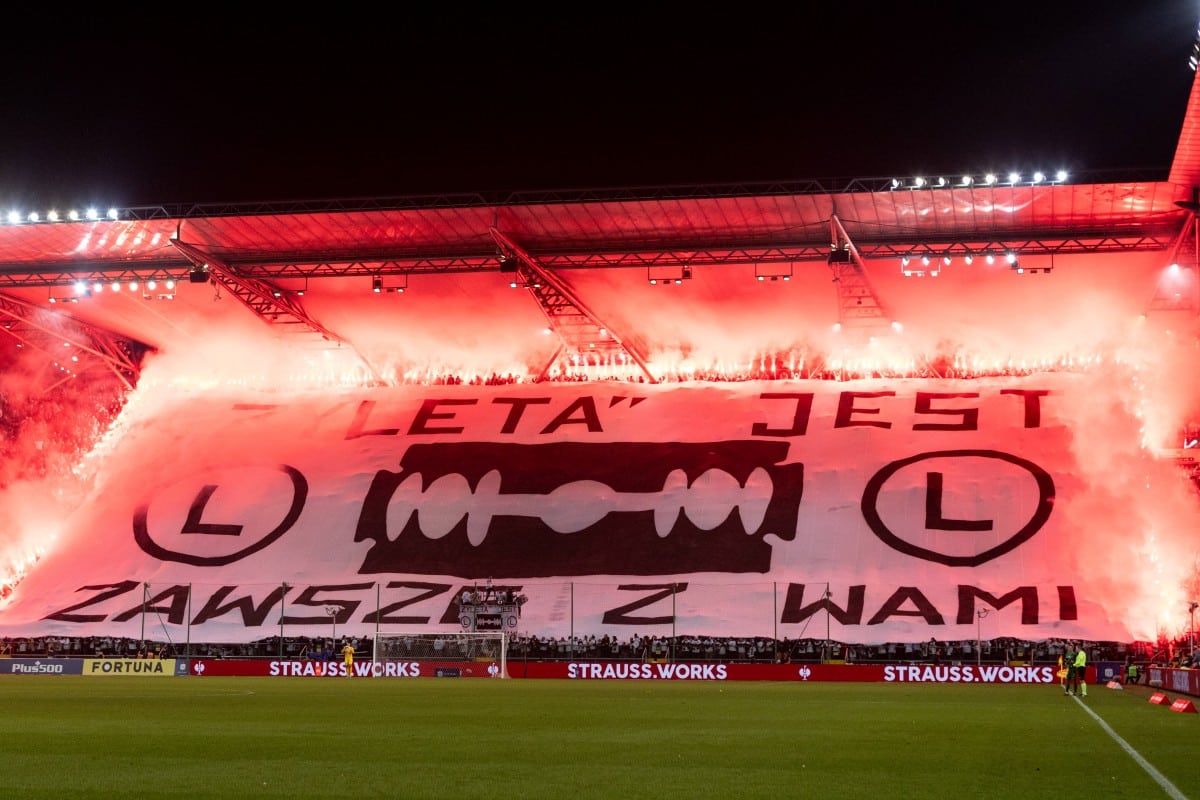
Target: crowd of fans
[44,435]
[630,373]
[702,649]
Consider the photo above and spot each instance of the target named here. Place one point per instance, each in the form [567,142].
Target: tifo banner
[869,511]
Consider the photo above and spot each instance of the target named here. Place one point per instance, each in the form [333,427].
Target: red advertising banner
[914,673]
[293,668]
[634,671]
[1186,681]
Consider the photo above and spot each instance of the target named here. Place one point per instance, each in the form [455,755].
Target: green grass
[79,738]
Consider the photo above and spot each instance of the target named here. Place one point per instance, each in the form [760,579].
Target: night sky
[138,108]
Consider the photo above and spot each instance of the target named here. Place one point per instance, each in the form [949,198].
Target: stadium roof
[617,227]
[255,249]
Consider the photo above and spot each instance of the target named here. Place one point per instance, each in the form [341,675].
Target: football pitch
[468,738]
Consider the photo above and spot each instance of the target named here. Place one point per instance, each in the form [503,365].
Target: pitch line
[1158,777]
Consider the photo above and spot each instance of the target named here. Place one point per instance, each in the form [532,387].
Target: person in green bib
[1069,678]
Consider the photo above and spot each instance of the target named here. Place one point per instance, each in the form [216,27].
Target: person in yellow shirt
[348,658]
[1081,672]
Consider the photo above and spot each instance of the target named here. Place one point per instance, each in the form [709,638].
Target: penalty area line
[1158,777]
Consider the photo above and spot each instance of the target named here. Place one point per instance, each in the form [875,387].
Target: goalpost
[469,652]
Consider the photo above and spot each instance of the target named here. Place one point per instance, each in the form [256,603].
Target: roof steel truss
[71,346]
[585,338]
[278,309]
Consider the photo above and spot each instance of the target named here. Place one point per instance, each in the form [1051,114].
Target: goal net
[466,653]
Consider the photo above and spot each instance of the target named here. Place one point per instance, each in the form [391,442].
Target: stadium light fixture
[668,276]
[399,287]
[53,298]
[769,272]
[966,181]
[150,290]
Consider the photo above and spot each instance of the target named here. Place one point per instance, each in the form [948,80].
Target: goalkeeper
[1069,679]
[348,658]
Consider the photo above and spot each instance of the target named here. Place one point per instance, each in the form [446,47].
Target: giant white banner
[871,511]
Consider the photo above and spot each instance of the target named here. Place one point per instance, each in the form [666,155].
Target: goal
[465,653]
